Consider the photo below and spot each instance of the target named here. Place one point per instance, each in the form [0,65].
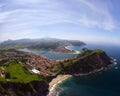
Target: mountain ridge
[42,43]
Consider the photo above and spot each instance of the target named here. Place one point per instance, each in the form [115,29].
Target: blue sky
[85,20]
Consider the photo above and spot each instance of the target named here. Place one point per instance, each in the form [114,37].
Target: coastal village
[34,63]
[39,64]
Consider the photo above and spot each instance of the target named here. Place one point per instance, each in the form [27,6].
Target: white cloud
[98,15]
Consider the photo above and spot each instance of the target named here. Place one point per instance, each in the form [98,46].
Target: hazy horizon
[94,21]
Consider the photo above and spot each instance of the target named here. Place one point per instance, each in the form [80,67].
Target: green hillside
[17,72]
[84,63]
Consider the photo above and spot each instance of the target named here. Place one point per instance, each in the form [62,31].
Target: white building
[35,71]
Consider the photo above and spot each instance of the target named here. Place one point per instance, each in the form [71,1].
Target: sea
[105,83]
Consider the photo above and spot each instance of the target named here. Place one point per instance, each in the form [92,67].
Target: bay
[50,54]
[106,83]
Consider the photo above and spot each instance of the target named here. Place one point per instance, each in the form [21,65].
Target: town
[36,64]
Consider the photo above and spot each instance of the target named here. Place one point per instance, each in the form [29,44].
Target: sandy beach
[75,51]
[57,81]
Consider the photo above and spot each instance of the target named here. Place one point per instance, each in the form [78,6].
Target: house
[35,71]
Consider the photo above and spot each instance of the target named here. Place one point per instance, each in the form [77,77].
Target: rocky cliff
[35,88]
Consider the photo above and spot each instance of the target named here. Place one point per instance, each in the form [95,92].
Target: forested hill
[88,62]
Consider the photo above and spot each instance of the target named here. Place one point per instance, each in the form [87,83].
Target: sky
[94,21]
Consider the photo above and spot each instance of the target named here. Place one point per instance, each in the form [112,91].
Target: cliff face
[36,88]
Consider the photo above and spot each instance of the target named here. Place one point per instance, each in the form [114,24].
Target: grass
[98,51]
[17,72]
[2,79]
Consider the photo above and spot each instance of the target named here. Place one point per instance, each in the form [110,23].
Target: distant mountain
[42,43]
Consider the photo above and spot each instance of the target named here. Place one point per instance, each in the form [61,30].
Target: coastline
[92,72]
[59,79]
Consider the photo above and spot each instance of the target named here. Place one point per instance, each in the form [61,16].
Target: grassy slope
[18,73]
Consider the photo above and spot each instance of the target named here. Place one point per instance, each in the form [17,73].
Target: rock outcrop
[35,88]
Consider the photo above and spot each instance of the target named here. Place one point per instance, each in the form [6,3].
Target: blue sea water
[106,83]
